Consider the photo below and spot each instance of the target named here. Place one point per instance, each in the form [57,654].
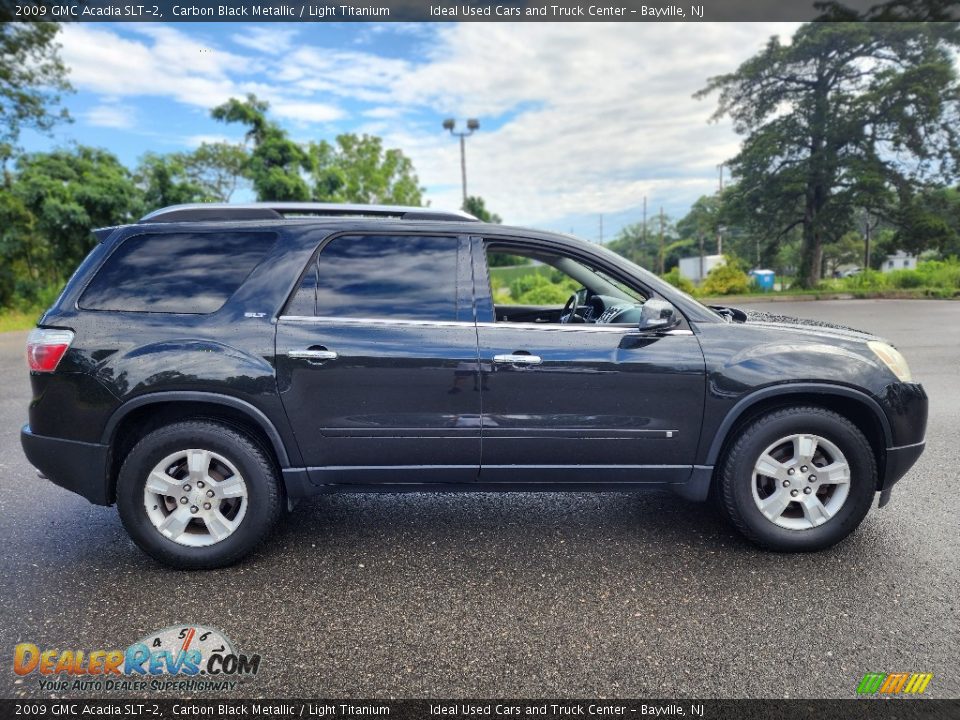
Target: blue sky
[577,120]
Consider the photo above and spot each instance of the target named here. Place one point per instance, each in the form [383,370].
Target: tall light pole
[472,125]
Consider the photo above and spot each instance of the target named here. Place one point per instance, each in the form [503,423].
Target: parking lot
[522,595]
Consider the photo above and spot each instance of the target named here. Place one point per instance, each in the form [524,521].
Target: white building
[900,261]
[691,268]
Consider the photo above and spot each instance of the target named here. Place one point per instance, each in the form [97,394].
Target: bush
[726,279]
[866,280]
[940,273]
[678,281]
[537,289]
[905,279]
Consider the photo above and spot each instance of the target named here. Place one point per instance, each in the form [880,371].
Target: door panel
[398,397]
[606,405]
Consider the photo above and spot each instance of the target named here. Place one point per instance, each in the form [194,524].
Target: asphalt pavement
[521,595]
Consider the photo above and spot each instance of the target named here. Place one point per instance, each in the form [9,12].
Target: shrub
[536,289]
[726,279]
[678,281]
[905,279]
[866,280]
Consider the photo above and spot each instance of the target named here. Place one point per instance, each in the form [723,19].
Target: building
[692,269]
[900,261]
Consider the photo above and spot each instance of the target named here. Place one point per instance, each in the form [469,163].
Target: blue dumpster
[764,279]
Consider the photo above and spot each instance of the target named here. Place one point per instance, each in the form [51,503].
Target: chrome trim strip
[549,327]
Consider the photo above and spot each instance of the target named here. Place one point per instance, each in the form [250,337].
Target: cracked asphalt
[521,595]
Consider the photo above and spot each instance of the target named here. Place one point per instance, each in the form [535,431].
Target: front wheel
[798,479]
[197,494]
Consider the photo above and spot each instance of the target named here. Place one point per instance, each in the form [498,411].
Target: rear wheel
[198,494]
[798,479]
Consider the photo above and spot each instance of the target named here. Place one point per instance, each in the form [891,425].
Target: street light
[472,125]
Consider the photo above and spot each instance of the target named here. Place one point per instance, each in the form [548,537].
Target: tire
[233,501]
[769,466]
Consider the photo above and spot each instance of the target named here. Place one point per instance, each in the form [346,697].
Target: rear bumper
[76,466]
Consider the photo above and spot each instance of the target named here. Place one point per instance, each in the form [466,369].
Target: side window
[388,277]
[193,273]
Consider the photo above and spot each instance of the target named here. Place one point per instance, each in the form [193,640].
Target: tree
[476,206]
[356,169]
[32,79]
[218,168]
[67,193]
[210,173]
[846,250]
[162,180]
[843,116]
[276,164]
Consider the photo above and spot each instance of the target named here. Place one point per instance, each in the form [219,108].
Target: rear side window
[176,272]
[388,277]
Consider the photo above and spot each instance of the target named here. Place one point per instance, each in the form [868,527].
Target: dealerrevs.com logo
[182,658]
[894,683]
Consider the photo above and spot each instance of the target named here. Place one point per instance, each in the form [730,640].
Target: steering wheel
[569,312]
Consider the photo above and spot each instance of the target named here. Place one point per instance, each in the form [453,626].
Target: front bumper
[898,461]
[76,466]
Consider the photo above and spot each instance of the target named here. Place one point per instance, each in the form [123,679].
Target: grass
[509,273]
[11,320]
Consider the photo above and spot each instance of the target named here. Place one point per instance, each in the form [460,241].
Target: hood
[816,327]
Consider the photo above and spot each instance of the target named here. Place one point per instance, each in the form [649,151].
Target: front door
[377,362]
[583,402]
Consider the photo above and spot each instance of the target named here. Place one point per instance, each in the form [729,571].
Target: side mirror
[657,315]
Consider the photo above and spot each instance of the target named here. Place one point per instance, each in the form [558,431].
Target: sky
[577,121]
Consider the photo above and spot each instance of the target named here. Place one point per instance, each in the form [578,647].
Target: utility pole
[866,242]
[643,228]
[472,125]
[720,197]
[661,239]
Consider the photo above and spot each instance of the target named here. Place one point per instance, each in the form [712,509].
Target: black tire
[263,503]
[735,478]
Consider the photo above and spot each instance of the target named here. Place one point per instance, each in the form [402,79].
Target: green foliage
[726,279]
[357,169]
[678,281]
[32,78]
[475,205]
[538,289]
[276,164]
[847,115]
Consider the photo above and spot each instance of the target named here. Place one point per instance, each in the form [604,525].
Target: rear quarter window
[194,273]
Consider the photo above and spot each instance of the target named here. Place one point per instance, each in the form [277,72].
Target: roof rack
[213,212]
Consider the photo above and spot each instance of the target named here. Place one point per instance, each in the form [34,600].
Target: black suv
[211,364]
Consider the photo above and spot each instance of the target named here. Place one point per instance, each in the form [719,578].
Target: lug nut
[186,488]
[791,471]
[803,468]
[786,483]
[199,483]
[812,478]
[183,501]
[194,509]
[794,493]
[209,493]
[207,506]
[807,491]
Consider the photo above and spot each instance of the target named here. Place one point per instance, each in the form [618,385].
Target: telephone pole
[472,125]
[720,197]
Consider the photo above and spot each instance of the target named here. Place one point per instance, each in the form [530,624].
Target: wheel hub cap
[801,481]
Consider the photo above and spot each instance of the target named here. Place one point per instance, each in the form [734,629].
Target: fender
[791,388]
[252,412]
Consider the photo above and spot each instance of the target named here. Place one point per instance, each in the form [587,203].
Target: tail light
[46,347]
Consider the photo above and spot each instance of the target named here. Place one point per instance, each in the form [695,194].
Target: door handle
[518,359]
[311,354]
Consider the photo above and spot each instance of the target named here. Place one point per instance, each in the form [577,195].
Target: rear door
[377,361]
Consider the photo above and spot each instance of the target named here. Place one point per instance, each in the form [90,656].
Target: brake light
[45,348]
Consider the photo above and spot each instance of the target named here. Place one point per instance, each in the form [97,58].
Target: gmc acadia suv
[209,365]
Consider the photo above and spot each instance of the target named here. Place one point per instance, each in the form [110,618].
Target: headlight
[892,358]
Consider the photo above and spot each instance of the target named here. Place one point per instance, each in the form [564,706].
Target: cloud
[270,41]
[112,115]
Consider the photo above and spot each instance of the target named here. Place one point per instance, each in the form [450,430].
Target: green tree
[32,80]
[476,206]
[276,164]
[162,180]
[218,168]
[67,193]
[839,118]
[846,250]
[357,169]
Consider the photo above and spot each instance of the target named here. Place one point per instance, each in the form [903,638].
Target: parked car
[211,364]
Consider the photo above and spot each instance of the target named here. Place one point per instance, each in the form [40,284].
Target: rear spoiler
[103,233]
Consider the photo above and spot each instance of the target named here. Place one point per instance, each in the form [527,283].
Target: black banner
[877,709]
[473,10]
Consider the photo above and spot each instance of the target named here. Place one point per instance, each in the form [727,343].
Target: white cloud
[268,40]
[111,115]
